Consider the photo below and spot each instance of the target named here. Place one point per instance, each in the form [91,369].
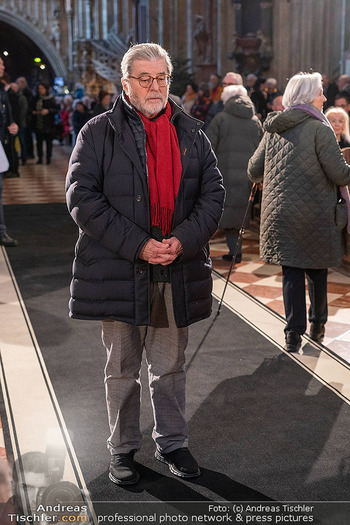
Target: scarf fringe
[162,218]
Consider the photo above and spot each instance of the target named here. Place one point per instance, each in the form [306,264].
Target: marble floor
[264,282]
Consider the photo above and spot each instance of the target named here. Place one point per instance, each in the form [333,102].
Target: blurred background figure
[104,103]
[78,90]
[22,120]
[230,79]
[44,110]
[276,104]
[271,91]
[250,83]
[202,102]
[66,113]
[79,118]
[9,142]
[27,92]
[215,88]
[235,133]
[7,124]
[330,89]
[259,97]
[342,100]
[188,98]
[339,120]
[343,83]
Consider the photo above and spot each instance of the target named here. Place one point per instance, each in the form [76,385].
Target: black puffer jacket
[107,195]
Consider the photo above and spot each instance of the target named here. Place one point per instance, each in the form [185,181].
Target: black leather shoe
[293,341]
[317,331]
[122,470]
[6,240]
[180,462]
[39,161]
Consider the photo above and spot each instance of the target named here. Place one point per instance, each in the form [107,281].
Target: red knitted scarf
[164,168]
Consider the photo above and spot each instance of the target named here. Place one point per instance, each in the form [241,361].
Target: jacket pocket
[341,214]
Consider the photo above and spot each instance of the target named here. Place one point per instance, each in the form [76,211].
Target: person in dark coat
[104,103]
[22,121]
[258,97]
[79,118]
[10,139]
[44,111]
[145,191]
[202,102]
[234,135]
[7,124]
[301,165]
[230,79]
[27,92]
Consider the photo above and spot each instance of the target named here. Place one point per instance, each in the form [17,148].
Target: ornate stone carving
[201,37]
[252,53]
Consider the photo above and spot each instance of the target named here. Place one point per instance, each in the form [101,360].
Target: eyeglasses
[224,84]
[146,81]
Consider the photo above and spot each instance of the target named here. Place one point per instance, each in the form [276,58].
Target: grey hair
[232,91]
[302,88]
[235,76]
[145,51]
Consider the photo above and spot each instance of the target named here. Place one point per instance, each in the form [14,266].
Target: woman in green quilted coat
[301,166]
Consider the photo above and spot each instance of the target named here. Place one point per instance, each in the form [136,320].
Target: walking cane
[239,244]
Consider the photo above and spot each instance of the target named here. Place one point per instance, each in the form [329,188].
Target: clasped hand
[163,253]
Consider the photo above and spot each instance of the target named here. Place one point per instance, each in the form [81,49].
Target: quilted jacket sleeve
[256,163]
[330,157]
[90,208]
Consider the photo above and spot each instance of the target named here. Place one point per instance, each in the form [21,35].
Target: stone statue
[201,37]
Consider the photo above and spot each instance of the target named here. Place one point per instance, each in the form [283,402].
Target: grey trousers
[164,346]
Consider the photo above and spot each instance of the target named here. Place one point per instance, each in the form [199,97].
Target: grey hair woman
[302,88]
[301,166]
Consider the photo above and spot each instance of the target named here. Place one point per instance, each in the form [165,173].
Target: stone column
[44,13]
[266,18]
[115,14]
[173,22]
[87,24]
[219,26]
[237,5]
[104,16]
[189,33]
[135,20]
[125,17]
[69,11]
[80,18]
[160,22]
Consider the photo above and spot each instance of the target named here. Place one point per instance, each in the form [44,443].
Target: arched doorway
[24,42]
